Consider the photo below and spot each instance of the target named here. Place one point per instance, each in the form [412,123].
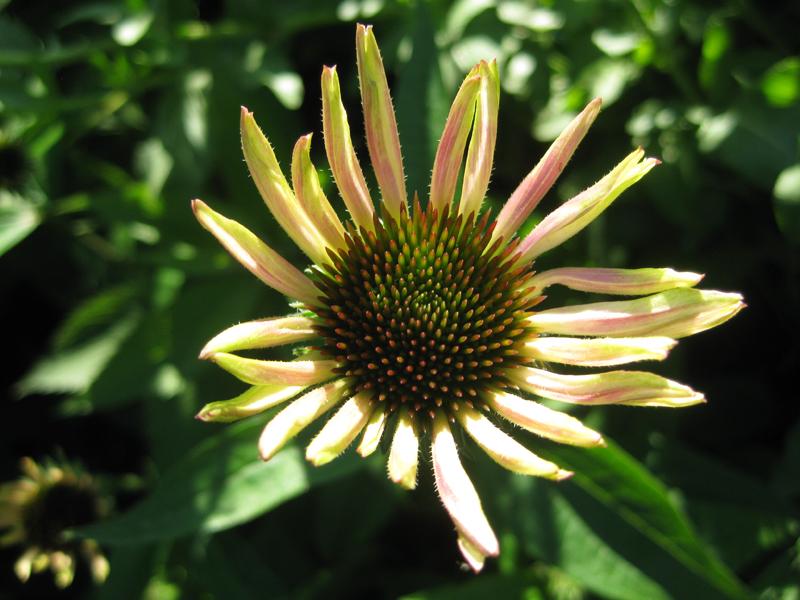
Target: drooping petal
[255,400]
[632,388]
[383,141]
[623,282]
[505,450]
[263,333]
[24,564]
[546,422]
[298,415]
[404,453]
[266,372]
[458,494]
[450,152]
[341,154]
[480,155]
[575,214]
[308,191]
[340,430]
[474,558]
[372,432]
[277,194]
[258,258]
[597,352]
[675,313]
[536,184]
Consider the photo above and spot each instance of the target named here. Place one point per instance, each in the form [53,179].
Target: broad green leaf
[232,567]
[99,310]
[617,481]
[561,530]
[221,483]
[738,514]
[18,218]
[74,370]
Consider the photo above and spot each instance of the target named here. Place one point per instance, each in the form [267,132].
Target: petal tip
[563,475]
[197,205]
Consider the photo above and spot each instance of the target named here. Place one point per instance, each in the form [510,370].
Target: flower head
[36,511]
[419,319]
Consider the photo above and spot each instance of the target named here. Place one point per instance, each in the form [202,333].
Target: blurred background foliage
[114,114]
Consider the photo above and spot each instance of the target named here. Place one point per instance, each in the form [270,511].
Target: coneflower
[420,319]
[37,510]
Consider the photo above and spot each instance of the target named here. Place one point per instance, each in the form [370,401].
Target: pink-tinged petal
[458,494]
[480,155]
[276,192]
[341,154]
[632,388]
[23,567]
[340,430]
[546,422]
[383,141]
[450,153]
[474,558]
[299,415]
[598,352]
[265,372]
[505,450]
[255,400]
[308,191]
[264,333]
[675,313]
[372,433]
[623,282]
[404,453]
[258,258]
[536,184]
[575,214]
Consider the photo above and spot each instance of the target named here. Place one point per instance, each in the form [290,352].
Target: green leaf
[73,371]
[18,219]
[221,483]
[781,83]
[738,514]
[129,30]
[99,310]
[422,104]
[617,481]
[517,585]
[786,203]
[561,529]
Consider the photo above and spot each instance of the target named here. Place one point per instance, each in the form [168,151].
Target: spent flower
[419,319]
[37,510]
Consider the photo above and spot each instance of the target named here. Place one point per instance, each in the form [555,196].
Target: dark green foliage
[113,115]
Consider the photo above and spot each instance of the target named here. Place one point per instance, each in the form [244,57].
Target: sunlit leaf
[74,370]
[786,202]
[18,218]
[781,83]
[131,29]
[621,484]
[221,483]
